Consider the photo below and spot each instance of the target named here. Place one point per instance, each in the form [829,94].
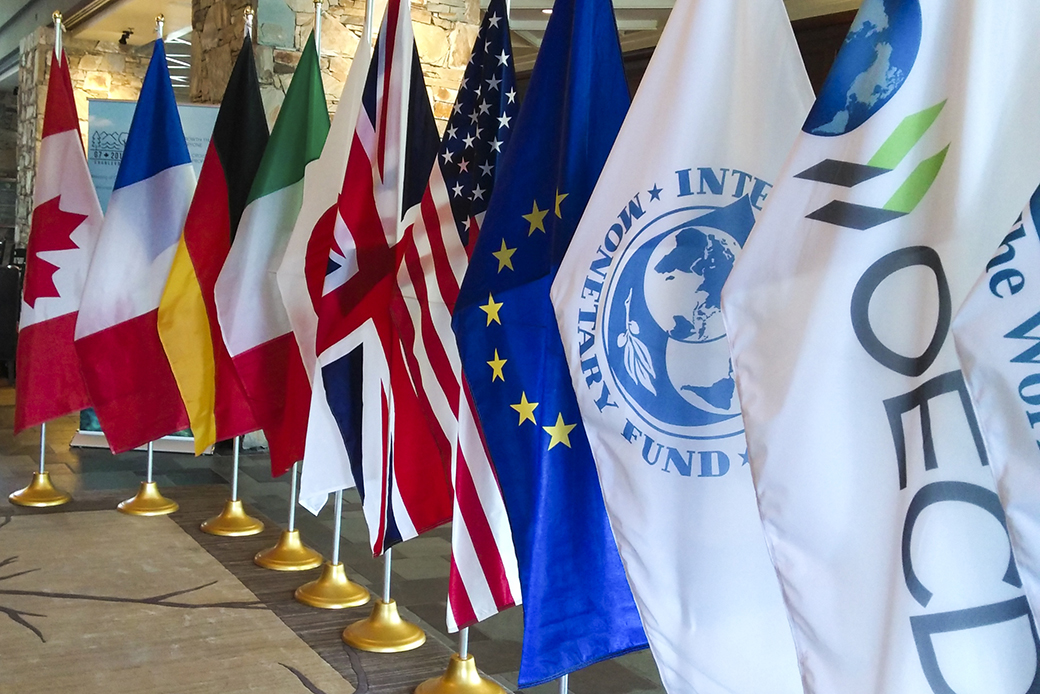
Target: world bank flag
[578,608]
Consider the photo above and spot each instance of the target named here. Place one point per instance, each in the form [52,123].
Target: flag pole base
[290,554]
[148,502]
[461,677]
[233,521]
[332,590]
[384,631]
[40,493]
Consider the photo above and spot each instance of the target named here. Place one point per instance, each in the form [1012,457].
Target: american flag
[402,476]
[432,260]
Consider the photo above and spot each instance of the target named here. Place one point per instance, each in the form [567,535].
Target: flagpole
[289,554]
[564,682]
[159,22]
[462,676]
[40,493]
[333,590]
[384,631]
[248,14]
[57,33]
[149,501]
[317,29]
[369,11]
[233,521]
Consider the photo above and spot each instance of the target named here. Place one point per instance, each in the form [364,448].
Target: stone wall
[99,70]
[8,134]
[444,33]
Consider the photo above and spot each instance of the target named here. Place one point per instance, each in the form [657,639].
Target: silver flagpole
[289,554]
[333,590]
[317,29]
[248,12]
[564,683]
[159,22]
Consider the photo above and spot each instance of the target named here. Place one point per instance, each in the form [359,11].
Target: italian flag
[251,313]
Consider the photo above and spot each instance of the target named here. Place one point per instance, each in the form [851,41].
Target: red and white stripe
[484,577]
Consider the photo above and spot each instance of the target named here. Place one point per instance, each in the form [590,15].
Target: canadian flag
[65,225]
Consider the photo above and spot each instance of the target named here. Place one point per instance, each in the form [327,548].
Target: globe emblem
[665,341]
[874,62]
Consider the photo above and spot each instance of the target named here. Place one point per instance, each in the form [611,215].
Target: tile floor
[420,566]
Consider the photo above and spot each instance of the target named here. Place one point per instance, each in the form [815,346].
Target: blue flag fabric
[578,608]
[156,140]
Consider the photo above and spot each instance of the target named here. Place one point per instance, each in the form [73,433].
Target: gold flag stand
[461,677]
[148,501]
[233,521]
[384,631]
[41,493]
[333,590]
[290,554]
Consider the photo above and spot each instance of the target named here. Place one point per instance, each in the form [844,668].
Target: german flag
[209,385]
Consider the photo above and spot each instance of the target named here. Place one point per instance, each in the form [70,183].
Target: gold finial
[56,16]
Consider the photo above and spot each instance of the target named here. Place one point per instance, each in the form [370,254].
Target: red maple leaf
[51,230]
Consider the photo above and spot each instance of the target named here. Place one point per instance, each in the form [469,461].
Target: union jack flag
[362,366]
[432,259]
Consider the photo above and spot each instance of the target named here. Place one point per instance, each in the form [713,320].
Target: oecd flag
[638,304]
[874,484]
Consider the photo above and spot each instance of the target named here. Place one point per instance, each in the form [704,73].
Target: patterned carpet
[98,480]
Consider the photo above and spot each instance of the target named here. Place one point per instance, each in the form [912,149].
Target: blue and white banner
[637,300]
[997,333]
[873,483]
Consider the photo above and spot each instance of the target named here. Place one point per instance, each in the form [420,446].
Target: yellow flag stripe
[184,332]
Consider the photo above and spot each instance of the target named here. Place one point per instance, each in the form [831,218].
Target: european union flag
[578,608]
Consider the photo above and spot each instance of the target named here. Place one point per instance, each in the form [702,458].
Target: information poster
[109,124]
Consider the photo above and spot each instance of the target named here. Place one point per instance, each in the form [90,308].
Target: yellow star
[491,309]
[559,198]
[526,409]
[536,218]
[559,432]
[505,256]
[496,365]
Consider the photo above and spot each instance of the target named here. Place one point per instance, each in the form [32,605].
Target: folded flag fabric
[376,406]
[131,385]
[996,336]
[213,395]
[578,608]
[431,262]
[66,223]
[301,276]
[637,301]
[873,482]
[252,316]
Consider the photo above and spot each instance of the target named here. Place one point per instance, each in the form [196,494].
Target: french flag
[124,366]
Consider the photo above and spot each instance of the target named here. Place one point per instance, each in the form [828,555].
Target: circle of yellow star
[496,365]
[526,409]
[491,309]
[505,256]
[559,198]
[559,432]
[536,218]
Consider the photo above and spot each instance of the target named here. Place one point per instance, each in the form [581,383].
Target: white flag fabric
[326,468]
[872,483]
[637,300]
[997,333]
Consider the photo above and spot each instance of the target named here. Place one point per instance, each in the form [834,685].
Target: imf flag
[637,299]
[997,333]
[577,605]
[873,481]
